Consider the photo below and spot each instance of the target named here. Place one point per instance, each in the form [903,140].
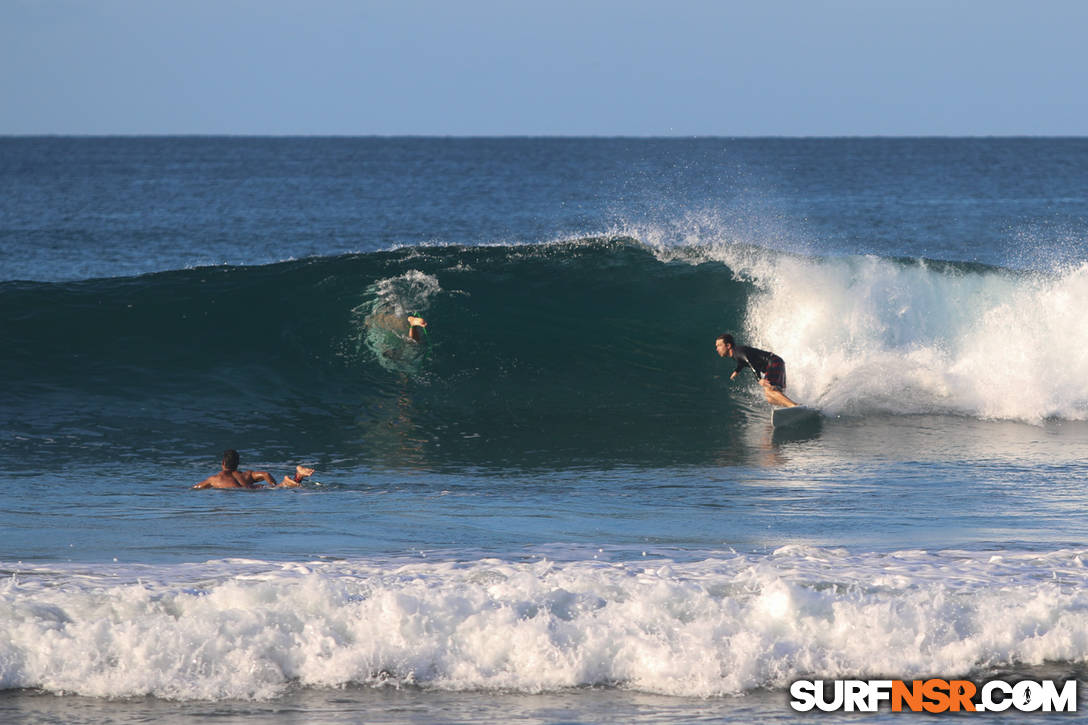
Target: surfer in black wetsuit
[770,369]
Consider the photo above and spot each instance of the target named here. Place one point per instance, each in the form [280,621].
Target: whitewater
[248,630]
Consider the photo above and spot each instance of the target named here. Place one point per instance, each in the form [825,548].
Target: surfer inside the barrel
[230,477]
[770,369]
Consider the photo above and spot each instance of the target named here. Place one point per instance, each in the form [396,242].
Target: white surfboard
[797,415]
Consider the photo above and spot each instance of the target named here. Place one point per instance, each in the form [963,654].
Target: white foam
[405,293]
[718,626]
[869,334]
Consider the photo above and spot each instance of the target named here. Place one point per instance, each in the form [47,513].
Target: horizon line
[537,136]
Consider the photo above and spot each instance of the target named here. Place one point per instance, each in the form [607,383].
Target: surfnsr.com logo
[933,695]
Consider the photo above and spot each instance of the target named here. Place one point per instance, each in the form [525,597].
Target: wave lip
[708,628]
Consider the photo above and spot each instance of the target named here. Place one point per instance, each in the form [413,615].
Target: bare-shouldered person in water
[230,477]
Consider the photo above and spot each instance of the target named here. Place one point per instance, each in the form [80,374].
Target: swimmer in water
[230,477]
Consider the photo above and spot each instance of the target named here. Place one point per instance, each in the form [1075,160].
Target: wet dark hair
[726,338]
[416,333]
[230,459]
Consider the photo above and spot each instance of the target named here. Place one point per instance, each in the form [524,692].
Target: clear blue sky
[554,67]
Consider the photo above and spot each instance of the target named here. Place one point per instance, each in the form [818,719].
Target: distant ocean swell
[721,626]
[540,337]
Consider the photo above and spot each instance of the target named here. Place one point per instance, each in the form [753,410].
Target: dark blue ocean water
[558,507]
[75,208]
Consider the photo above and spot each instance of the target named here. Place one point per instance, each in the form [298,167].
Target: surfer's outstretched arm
[253,476]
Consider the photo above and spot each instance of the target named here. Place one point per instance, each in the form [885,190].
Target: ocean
[556,508]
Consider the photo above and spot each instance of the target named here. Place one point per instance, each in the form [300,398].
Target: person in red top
[770,369]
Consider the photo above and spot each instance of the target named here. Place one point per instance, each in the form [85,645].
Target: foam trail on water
[723,625]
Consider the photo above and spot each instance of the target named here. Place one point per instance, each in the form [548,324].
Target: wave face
[719,626]
[573,350]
